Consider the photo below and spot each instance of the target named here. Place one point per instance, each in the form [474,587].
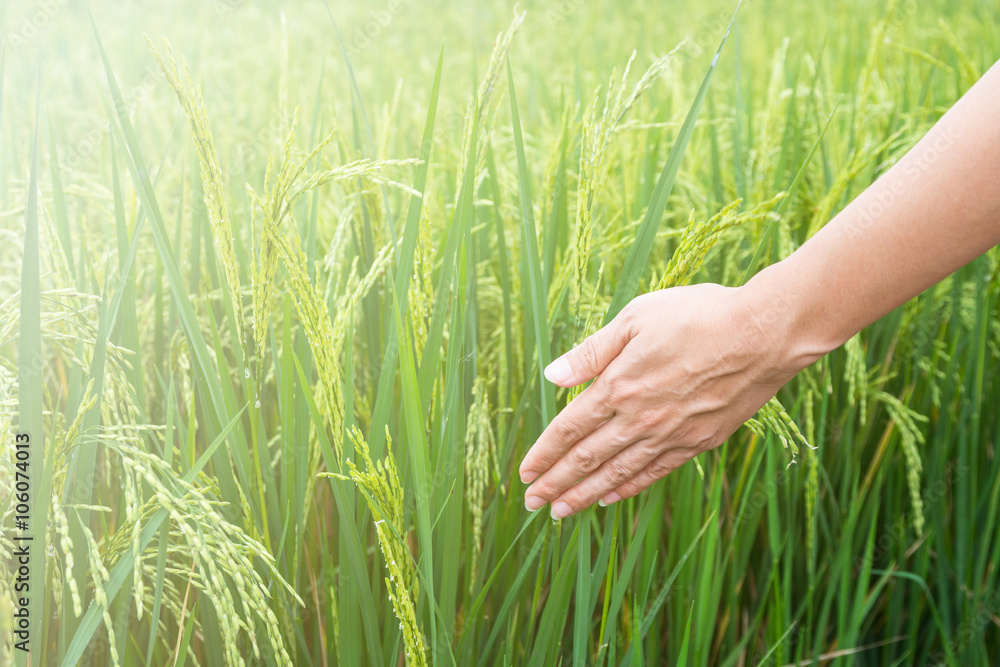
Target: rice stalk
[595,141]
[384,493]
[216,203]
[480,463]
[910,436]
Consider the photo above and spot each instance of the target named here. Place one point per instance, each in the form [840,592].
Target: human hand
[678,371]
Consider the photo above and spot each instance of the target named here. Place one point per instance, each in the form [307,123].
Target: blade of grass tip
[788,195]
[123,568]
[683,654]
[638,254]
[529,239]
[661,597]
[404,271]
[496,570]
[59,200]
[765,660]
[29,395]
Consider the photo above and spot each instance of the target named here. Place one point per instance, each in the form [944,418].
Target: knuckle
[566,430]
[646,420]
[697,437]
[627,315]
[583,459]
[618,471]
[703,439]
[660,468]
[618,392]
[650,450]
[543,489]
[590,352]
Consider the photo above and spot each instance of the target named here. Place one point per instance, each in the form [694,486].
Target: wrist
[785,315]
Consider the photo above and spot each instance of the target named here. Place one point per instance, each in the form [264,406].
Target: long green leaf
[529,240]
[638,254]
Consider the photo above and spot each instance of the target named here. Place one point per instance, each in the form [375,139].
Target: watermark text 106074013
[21,556]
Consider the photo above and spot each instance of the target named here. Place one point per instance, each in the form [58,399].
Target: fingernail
[559,371]
[528,476]
[532,503]
[609,499]
[559,510]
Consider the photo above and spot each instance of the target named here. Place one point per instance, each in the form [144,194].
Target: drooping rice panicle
[384,493]
[480,461]
[910,437]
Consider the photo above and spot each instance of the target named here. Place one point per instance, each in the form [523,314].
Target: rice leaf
[638,255]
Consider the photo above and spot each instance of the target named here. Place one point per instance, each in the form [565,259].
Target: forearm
[934,211]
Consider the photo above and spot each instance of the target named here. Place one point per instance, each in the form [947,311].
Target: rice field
[279,281]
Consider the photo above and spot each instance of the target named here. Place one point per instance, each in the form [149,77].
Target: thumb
[587,360]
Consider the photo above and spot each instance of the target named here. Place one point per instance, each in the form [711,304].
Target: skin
[680,369]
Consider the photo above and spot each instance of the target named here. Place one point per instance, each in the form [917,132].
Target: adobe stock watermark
[787,643]
[560,11]
[920,160]
[970,628]
[253,147]
[84,145]
[763,492]
[372,27]
[224,7]
[39,15]
[897,532]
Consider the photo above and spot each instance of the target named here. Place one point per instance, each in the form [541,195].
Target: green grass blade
[638,255]
[404,270]
[582,611]
[413,415]
[654,609]
[550,626]
[788,195]
[161,551]
[355,550]
[529,241]
[59,202]
[182,648]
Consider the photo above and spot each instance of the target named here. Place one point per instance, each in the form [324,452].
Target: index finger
[576,421]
